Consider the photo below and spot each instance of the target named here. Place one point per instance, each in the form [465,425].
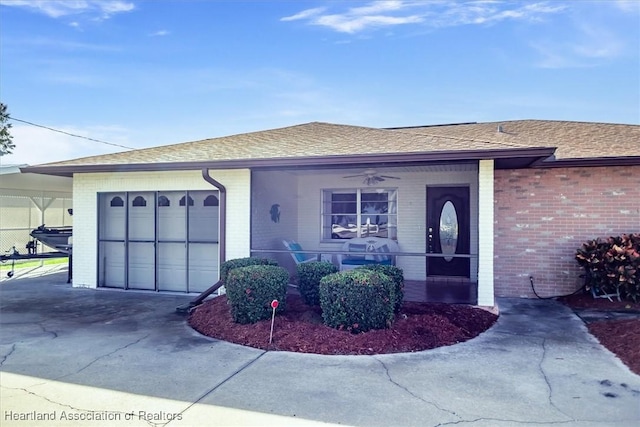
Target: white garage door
[164,241]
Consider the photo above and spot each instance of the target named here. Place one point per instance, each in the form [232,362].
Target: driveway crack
[412,394]
[476,420]
[6,356]
[104,356]
[217,386]
[546,379]
[103,414]
[46,331]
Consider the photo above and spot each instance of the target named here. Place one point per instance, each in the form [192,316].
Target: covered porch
[439,215]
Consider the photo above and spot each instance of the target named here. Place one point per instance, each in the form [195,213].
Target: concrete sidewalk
[83,357]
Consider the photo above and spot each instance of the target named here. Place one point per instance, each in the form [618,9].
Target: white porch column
[485,233]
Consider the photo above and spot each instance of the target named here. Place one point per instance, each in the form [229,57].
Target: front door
[448,231]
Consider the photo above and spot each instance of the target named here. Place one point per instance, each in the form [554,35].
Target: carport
[29,200]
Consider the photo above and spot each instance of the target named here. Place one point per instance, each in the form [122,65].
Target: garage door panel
[203,266]
[204,217]
[112,216]
[112,265]
[171,216]
[142,224]
[172,271]
[141,265]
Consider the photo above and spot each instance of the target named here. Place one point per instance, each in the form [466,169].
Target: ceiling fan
[371,177]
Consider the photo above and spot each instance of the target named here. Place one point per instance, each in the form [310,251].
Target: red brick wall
[543,215]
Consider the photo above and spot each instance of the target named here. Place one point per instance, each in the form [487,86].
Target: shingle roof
[574,140]
[307,140]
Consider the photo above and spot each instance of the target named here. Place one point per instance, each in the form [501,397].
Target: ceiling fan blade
[372,180]
[354,176]
[390,177]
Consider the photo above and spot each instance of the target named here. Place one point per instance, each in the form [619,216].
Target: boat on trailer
[58,238]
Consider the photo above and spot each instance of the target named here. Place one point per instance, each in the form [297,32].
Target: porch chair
[367,251]
[298,257]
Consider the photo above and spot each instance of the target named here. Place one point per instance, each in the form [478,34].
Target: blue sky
[141,73]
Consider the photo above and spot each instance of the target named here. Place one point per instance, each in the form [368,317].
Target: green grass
[33,263]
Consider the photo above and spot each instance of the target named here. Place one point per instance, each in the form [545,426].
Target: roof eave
[588,162]
[524,157]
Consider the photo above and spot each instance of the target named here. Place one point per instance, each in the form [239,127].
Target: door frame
[461,265]
[453,288]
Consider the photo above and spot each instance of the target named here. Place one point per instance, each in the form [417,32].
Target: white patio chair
[367,251]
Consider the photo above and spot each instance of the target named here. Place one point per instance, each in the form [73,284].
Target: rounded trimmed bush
[396,274]
[357,300]
[309,275]
[250,291]
[227,266]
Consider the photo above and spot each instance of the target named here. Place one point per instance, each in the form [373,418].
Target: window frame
[326,217]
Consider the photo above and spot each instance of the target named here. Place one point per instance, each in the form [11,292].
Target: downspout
[222,236]
[222,243]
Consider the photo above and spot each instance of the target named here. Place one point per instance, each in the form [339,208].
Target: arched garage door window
[139,201]
[116,202]
[211,201]
[182,201]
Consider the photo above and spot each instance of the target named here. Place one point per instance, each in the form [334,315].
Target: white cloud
[159,33]
[429,13]
[100,9]
[348,24]
[304,14]
[454,14]
[378,7]
[111,7]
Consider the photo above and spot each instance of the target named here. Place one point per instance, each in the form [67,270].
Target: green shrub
[397,276]
[309,275]
[227,266]
[357,300]
[612,266]
[250,291]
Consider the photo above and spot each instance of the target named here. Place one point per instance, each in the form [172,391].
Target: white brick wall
[85,209]
[485,232]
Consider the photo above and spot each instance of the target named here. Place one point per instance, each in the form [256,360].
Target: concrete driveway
[82,357]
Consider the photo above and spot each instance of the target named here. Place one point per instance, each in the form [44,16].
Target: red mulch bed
[621,337]
[418,326]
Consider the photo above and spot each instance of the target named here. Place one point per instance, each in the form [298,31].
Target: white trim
[485,233]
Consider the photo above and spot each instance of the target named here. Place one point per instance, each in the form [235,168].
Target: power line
[71,134]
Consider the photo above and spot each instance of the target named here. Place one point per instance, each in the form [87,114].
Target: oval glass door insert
[448,230]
